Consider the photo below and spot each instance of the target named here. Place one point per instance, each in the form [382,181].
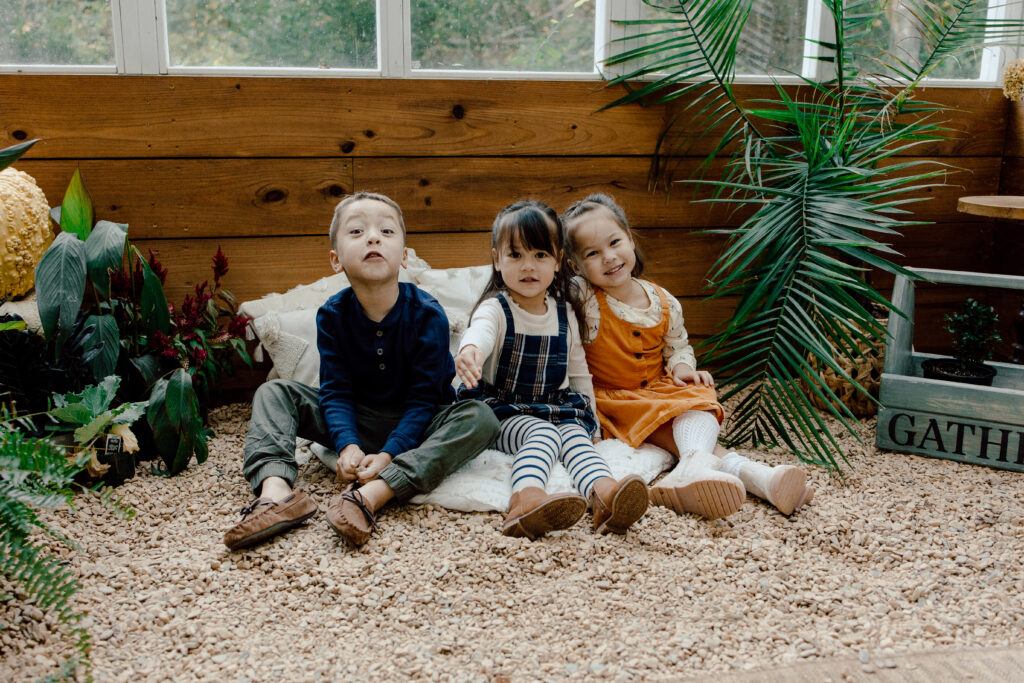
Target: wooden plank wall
[256,165]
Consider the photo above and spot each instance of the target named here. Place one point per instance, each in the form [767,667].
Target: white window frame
[140,47]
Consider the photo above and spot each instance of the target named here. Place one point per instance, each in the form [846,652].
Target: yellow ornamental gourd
[25,231]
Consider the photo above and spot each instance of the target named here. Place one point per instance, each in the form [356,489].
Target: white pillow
[485,483]
[457,290]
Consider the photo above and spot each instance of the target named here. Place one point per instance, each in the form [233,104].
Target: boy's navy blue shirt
[401,363]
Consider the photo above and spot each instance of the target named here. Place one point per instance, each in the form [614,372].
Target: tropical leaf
[153,304]
[8,155]
[76,209]
[102,335]
[60,286]
[104,252]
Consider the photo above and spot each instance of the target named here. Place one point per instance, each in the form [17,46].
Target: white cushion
[484,483]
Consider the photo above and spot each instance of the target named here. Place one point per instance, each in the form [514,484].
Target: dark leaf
[104,251]
[8,155]
[60,286]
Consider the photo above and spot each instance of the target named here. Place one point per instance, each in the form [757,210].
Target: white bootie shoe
[784,486]
[696,486]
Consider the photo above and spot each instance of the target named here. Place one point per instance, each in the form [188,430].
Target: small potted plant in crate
[973,423]
[975,334]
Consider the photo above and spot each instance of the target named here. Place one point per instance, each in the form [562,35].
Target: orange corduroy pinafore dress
[635,394]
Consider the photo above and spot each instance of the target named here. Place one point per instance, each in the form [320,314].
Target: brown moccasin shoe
[533,513]
[616,505]
[265,518]
[351,517]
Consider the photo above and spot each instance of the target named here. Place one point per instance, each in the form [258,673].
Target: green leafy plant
[90,414]
[975,331]
[93,277]
[35,474]
[817,171]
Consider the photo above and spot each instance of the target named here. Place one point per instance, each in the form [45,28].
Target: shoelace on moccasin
[248,509]
[357,498]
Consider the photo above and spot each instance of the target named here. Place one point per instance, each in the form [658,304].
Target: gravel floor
[906,554]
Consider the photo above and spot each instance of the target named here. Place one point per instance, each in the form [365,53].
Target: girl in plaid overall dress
[523,357]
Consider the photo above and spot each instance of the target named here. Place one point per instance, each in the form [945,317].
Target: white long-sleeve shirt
[677,344]
[487,330]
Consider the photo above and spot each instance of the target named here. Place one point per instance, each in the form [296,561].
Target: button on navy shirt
[401,363]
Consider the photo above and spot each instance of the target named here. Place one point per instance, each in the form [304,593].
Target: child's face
[605,253]
[369,245]
[527,272]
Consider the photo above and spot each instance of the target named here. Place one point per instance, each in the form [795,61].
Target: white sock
[695,430]
[732,463]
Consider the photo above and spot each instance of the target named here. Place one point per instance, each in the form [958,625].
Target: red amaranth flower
[220,267]
[237,325]
[158,268]
[200,356]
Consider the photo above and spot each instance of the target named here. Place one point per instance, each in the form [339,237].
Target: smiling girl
[647,385]
[522,355]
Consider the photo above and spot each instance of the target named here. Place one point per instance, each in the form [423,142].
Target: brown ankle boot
[532,512]
[617,504]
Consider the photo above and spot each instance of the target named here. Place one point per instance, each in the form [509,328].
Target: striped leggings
[535,443]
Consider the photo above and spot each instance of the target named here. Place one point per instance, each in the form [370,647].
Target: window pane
[896,32]
[56,32]
[275,33]
[772,40]
[515,35]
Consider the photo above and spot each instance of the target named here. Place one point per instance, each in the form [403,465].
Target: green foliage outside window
[56,32]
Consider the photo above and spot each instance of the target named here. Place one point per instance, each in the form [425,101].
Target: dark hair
[590,203]
[355,197]
[538,227]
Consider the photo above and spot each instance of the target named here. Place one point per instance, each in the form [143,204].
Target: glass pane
[772,40]
[515,35]
[56,32]
[276,33]
[896,32]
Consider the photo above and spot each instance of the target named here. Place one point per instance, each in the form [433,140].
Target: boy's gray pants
[284,409]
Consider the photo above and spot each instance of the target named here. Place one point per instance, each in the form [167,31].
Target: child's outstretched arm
[486,327]
[469,365]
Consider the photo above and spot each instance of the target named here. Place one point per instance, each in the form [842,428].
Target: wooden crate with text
[972,424]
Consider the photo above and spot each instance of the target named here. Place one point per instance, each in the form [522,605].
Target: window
[70,32]
[407,38]
[516,35]
[318,34]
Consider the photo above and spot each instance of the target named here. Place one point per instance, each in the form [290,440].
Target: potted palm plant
[975,331]
[816,171]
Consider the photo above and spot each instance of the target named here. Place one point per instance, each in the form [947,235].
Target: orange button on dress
[635,394]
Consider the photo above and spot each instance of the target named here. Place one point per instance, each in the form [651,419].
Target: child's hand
[348,462]
[469,365]
[683,374]
[371,466]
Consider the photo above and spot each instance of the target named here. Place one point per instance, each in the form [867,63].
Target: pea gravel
[907,554]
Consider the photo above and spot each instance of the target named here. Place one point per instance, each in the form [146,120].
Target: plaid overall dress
[530,370]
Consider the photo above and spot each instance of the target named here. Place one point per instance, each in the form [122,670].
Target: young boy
[385,398]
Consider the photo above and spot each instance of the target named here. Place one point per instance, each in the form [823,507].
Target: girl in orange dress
[645,378]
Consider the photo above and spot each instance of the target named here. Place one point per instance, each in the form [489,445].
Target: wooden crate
[973,424]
